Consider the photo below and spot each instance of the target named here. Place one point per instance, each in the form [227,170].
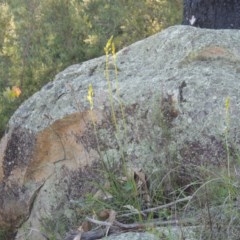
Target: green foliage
[40,38]
[129,21]
[121,186]
[55,229]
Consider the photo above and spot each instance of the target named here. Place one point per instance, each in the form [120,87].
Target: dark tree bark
[215,14]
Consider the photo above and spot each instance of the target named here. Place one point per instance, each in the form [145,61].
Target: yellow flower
[227,104]
[90,96]
[108,46]
[113,48]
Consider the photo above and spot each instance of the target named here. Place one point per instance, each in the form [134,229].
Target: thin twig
[101,223]
[158,207]
[142,225]
[30,233]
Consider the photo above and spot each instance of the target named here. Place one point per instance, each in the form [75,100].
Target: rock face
[175,89]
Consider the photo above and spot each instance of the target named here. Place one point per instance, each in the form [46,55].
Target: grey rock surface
[175,233]
[133,236]
[173,86]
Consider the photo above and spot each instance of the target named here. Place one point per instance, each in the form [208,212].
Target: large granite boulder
[173,87]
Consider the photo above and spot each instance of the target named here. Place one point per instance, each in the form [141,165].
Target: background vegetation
[40,38]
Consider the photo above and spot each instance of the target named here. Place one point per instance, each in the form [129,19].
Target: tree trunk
[215,14]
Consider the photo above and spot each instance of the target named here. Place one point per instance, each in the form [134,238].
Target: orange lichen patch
[62,143]
[211,52]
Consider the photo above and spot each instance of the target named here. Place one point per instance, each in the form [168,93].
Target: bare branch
[158,207]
